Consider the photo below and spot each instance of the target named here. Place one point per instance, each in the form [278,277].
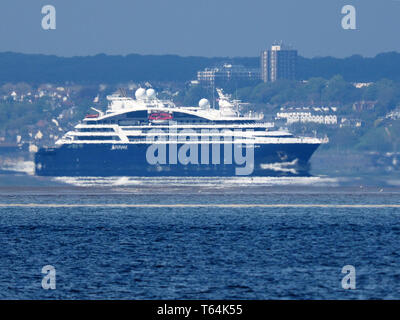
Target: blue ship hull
[130,160]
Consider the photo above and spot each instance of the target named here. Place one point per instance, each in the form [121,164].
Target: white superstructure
[131,121]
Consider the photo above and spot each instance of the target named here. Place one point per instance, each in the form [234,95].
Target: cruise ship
[148,136]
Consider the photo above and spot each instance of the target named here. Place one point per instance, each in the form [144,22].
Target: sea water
[174,238]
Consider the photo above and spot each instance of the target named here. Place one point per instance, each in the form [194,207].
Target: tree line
[36,68]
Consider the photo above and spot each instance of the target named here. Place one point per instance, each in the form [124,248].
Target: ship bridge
[147,108]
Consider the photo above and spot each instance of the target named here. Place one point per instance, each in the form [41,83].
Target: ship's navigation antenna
[122,92]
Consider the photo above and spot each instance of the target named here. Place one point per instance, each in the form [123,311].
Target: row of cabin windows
[102,122]
[181,139]
[131,122]
[144,121]
[198,130]
[146,130]
[96,130]
[133,138]
[103,138]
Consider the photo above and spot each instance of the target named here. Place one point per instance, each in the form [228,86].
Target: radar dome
[140,94]
[204,103]
[150,93]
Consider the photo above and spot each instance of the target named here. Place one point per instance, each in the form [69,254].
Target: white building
[304,115]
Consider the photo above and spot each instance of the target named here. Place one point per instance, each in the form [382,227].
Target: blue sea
[174,238]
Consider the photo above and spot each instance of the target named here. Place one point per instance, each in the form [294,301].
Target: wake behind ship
[147,136]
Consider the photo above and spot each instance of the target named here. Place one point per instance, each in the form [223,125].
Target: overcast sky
[199,28]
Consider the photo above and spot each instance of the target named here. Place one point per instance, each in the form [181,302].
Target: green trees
[340,91]
[367,104]
[387,95]
[192,96]
[314,91]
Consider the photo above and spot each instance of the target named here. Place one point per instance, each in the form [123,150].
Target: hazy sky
[199,28]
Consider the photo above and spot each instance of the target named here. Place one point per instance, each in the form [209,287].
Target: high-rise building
[278,63]
[228,73]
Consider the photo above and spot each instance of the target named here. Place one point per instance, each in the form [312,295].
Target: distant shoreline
[101,68]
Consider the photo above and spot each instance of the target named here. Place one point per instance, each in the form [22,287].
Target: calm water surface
[199,253]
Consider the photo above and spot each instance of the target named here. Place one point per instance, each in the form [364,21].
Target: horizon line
[186,56]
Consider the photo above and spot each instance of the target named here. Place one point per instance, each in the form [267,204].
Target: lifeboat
[90,116]
[160,116]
